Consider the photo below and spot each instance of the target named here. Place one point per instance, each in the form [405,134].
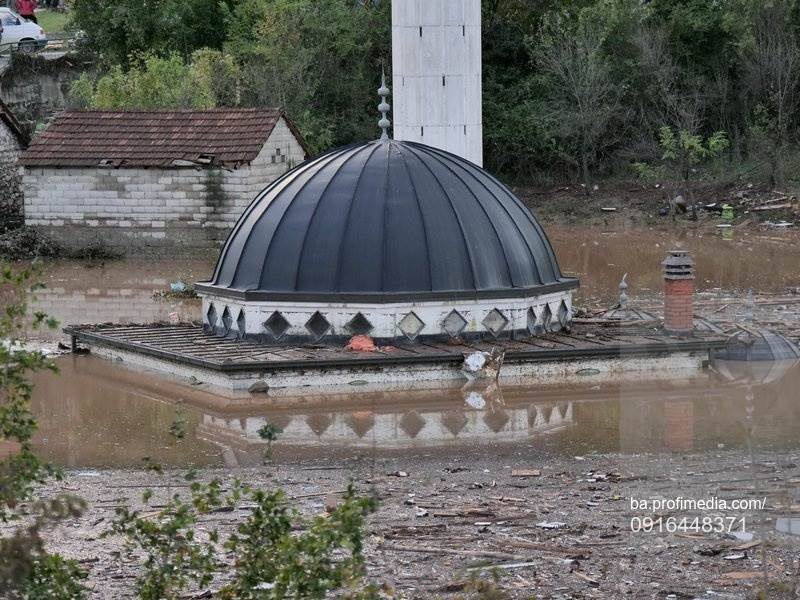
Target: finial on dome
[384,108]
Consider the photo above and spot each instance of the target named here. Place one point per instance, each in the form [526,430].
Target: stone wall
[10,181]
[137,209]
[35,87]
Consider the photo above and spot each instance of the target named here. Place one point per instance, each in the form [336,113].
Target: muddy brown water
[97,414]
[123,291]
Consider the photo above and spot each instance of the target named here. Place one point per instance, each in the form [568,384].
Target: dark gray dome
[758,345]
[386,221]
[756,356]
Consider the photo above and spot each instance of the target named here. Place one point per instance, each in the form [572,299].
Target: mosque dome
[756,356]
[382,222]
[392,239]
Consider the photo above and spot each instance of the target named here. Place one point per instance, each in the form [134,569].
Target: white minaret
[436,73]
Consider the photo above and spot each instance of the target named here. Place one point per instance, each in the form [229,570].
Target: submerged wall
[136,209]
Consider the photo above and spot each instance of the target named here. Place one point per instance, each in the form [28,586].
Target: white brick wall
[154,200]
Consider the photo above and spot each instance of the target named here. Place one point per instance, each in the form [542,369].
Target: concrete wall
[386,319]
[436,72]
[140,208]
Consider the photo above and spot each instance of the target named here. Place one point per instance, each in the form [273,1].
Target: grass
[53,22]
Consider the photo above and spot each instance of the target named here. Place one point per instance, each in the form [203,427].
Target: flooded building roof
[387,221]
[154,138]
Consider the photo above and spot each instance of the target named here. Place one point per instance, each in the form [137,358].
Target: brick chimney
[678,292]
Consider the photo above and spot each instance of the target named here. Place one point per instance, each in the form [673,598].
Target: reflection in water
[95,414]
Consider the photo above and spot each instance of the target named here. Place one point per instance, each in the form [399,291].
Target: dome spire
[384,108]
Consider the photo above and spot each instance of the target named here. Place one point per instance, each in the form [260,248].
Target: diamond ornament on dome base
[318,326]
[411,326]
[359,325]
[454,324]
[277,325]
[495,322]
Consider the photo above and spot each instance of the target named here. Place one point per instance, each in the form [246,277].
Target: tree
[117,30]
[771,58]
[582,99]
[211,79]
[684,150]
[319,60]
[27,569]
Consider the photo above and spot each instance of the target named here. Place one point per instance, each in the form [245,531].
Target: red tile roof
[154,138]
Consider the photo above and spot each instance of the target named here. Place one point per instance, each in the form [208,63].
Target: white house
[153,178]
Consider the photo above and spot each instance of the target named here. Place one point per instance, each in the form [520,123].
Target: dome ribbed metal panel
[386,220]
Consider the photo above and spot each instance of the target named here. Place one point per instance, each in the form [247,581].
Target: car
[20,34]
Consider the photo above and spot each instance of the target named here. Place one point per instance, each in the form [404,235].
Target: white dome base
[276,322]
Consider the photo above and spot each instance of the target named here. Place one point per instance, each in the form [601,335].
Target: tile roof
[154,138]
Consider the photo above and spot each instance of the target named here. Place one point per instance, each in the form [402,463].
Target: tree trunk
[587,177]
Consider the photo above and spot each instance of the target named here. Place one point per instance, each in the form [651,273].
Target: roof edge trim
[565,284]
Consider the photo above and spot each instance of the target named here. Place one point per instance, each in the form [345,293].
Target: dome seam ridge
[542,235]
[455,214]
[421,215]
[485,213]
[305,165]
[355,152]
[245,216]
[534,260]
[331,156]
[340,253]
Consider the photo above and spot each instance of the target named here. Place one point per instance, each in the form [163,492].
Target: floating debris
[483,365]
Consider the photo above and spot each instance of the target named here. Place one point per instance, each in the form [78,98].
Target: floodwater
[123,291]
[96,414]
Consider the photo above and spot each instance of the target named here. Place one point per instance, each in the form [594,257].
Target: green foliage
[27,570]
[117,30]
[269,433]
[208,80]
[270,559]
[319,60]
[687,148]
[173,556]
[273,563]
[572,88]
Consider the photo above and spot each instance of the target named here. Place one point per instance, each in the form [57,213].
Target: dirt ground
[546,527]
[630,204]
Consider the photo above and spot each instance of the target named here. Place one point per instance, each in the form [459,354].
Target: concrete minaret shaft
[436,71]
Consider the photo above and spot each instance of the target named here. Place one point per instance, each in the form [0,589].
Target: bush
[26,243]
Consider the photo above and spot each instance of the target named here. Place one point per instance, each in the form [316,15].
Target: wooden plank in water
[582,340]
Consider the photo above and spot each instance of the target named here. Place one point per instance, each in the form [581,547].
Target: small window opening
[465,130]
[464,30]
[420,31]
[444,82]
[422,131]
